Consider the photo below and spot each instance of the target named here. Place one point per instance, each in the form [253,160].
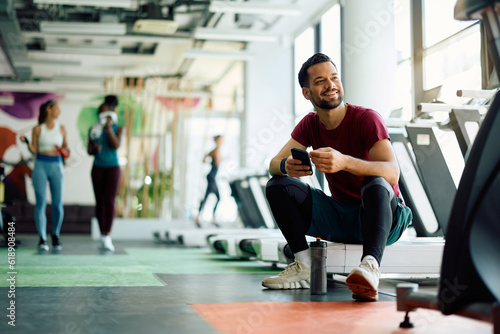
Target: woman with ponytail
[48,142]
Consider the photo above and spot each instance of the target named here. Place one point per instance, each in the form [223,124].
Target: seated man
[351,145]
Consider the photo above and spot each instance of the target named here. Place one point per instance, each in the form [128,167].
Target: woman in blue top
[106,170]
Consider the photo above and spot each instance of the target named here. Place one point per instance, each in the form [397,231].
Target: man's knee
[273,186]
[378,185]
[371,181]
[276,186]
[374,180]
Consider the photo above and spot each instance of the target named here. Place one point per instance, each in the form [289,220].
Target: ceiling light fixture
[88,28]
[233,35]
[111,50]
[155,27]
[251,8]
[216,54]
[45,62]
[94,3]
[179,37]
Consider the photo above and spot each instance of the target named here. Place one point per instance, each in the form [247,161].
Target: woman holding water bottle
[48,142]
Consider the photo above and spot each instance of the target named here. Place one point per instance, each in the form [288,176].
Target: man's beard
[323,104]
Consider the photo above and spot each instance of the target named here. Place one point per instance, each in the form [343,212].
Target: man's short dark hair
[315,59]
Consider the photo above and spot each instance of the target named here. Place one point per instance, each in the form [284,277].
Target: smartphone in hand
[302,156]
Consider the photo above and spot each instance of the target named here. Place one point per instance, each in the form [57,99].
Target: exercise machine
[253,210]
[470,268]
[426,254]
[240,245]
[424,220]
[434,170]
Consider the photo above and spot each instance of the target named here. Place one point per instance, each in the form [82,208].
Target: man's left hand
[328,160]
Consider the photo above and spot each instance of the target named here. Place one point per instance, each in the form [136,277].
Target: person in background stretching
[48,142]
[211,183]
[106,170]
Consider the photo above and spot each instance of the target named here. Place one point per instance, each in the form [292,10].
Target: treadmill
[470,268]
[424,220]
[253,211]
[434,170]
[239,244]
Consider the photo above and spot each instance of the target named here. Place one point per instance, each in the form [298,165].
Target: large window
[323,37]
[449,52]
[433,50]
[330,35]
[452,49]
[455,64]
[197,133]
[439,21]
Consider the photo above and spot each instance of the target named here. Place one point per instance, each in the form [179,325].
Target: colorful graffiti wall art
[17,119]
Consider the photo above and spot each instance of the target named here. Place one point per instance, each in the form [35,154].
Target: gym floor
[155,287]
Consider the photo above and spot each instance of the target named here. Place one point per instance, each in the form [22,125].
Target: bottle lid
[318,243]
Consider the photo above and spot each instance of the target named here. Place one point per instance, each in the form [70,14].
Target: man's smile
[332,93]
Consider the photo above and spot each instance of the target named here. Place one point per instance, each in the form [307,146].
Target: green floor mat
[134,268]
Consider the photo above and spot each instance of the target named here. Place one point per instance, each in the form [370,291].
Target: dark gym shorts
[335,221]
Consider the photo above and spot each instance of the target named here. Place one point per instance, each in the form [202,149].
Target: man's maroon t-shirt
[360,129]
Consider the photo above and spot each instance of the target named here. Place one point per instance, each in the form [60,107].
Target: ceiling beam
[92,28]
[233,35]
[130,38]
[218,54]
[94,3]
[227,7]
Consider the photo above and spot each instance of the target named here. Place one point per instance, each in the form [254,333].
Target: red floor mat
[330,317]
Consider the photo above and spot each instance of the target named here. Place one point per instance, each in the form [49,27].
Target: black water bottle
[318,267]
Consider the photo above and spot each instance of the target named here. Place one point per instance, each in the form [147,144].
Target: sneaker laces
[294,266]
[370,265]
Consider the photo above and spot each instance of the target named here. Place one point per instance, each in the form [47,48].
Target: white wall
[368,53]
[268,103]
[269,88]
[78,184]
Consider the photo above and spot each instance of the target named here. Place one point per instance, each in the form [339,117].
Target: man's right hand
[295,168]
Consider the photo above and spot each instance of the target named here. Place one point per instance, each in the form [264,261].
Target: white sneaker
[42,245]
[107,244]
[363,281]
[56,242]
[294,276]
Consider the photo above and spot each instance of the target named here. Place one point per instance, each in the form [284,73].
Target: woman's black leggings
[106,181]
[211,188]
[291,204]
